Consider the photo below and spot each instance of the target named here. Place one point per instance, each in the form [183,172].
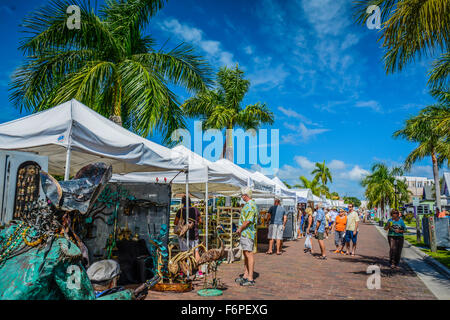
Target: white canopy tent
[73,135]
[203,177]
[203,174]
[283,190]
[317,199]
[260,187]
[304,195]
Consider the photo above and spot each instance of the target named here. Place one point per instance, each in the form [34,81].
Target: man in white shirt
[351,229]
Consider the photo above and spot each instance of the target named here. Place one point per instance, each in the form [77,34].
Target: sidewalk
[295,275]
[438,282]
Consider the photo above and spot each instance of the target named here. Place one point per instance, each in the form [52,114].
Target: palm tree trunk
[229,144]
[437,186]
[116,115]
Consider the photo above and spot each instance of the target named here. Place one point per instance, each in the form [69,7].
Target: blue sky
[320,74]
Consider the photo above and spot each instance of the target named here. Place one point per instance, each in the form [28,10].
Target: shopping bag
[308,242]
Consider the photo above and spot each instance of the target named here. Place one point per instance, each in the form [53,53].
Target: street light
[395,193]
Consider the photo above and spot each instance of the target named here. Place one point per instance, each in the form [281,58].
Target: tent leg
[206,214]
[187,206]
[67,168]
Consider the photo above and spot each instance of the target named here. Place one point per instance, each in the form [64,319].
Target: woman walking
[309,222]
[396,228]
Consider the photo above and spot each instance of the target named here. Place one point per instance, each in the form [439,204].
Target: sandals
[278,253]
[323,257]
[267,252]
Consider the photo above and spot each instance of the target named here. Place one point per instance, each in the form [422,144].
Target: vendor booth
[126,215]
[204,179]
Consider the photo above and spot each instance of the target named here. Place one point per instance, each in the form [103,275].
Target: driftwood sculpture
[212,255]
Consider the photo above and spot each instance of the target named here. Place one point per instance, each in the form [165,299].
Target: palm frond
[180,66]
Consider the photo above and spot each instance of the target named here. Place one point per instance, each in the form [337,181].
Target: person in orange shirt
[441,214]
[339,231]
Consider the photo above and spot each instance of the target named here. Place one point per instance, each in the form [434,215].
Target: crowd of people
[318,223]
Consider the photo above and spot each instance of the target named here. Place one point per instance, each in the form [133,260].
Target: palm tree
[412,29]
[322,172]
[109,64]
[221,108]
[432,141]
[313,185]
[380,189]
[334,196]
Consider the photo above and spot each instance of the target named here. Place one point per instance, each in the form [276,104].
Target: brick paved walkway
[295,275]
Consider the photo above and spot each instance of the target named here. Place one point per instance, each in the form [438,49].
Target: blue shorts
[350,237]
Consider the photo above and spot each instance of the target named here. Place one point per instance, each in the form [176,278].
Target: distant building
[416,185]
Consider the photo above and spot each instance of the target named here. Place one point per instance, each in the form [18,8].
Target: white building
[416,185]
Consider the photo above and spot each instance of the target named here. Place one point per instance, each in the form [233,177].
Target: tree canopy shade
[109,64]
[412,29]
[221,108]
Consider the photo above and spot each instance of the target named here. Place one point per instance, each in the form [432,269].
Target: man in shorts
[319,233]
[278,218]
[351,229]
[247,232]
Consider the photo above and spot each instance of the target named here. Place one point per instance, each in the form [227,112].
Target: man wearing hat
[277,224]
[104,275]
[247,231]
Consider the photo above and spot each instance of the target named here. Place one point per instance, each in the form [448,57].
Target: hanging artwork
[27,187]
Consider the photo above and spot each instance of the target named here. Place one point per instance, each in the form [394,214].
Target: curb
[425,257]
[430,260]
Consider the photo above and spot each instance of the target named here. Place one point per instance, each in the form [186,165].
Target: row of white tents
[72,135]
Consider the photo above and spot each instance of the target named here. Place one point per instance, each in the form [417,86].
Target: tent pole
[187,206]
[67,168]
[206,207]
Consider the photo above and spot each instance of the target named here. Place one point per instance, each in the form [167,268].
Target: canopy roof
[304,195]
[201,170]
[257,184]
[317,199]
[283,190]
[91,138]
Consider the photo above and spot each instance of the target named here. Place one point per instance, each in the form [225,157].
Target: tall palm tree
[380,189]
[412,29]
[313,185]
[221,108]
[432,141]
[322,173]
[109,64]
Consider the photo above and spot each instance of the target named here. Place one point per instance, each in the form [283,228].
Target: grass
[443,256]
[410,224]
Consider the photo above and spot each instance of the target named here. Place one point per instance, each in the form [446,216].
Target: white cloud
[371,104]
[265,75]
[302,133]
[294,114]
[336,165]
[304,163]
[192,35]
[350,40]
[356,174]
[328,17]
[249,50]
